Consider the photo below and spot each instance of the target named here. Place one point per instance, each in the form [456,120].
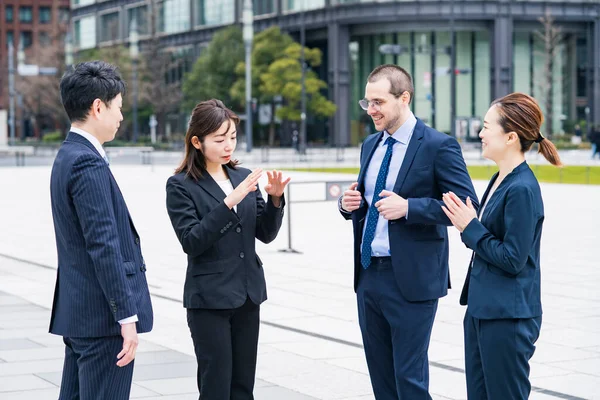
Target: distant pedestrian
[595,141]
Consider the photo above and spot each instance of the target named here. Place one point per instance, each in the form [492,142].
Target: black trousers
[90,370]
[225,342]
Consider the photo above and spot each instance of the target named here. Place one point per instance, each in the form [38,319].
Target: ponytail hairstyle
[521,114]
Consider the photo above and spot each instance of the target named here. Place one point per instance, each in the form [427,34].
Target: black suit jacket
[223,267]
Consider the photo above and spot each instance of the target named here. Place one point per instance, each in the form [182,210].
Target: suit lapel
[487,192]
[368,148]
[211,187]
[411,152]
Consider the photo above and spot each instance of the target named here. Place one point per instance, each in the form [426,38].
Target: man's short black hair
[86,82]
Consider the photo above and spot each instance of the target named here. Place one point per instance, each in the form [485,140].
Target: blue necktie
[373,214]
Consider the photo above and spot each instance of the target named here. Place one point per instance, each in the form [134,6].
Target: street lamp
[248,34]
[134,52]
[11,90]
[302,142]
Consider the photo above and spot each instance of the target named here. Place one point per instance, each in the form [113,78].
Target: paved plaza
[310,344]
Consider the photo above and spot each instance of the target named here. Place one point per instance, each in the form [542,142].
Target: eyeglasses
[365,104]
[376,104]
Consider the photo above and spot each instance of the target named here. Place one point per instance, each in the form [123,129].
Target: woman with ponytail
[502,289]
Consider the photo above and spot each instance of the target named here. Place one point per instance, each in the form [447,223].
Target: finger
[385,193]
[452,207]
[469,203]
[353,186]
[269,176]
[289,178]
[446,200]
[456,199]
[123,352]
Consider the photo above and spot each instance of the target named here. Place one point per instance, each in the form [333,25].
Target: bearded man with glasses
[400,234]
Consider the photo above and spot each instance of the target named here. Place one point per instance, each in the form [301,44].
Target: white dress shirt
[381,243]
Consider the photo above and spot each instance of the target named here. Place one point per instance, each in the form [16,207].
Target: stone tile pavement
[310,345]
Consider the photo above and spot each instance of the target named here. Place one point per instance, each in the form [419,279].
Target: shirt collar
[91,138]
[404,133]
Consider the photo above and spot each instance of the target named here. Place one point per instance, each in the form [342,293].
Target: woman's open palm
[276,184]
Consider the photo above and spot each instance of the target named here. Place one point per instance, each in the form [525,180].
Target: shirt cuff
[407,204]
[129,320]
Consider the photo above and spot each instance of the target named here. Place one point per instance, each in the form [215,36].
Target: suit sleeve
[510,252]
[91,192]
[268,217]
[348,215]
[451,176]
[196,233]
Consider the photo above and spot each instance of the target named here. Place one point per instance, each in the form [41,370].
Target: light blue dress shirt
[381,243]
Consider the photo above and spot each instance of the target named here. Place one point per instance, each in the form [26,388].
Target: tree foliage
[277,71]
[214,72]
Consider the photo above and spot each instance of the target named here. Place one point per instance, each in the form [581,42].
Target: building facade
[28,24]
[498,49]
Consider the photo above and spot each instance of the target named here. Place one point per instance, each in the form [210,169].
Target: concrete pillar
[502,56]
[339,82]
[595,61]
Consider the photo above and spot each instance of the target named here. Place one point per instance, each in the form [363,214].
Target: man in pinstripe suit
[101,299]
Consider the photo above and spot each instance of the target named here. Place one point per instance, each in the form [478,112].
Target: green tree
[276,71]
[214,71]
[268,46]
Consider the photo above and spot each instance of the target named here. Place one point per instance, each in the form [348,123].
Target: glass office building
[497,46]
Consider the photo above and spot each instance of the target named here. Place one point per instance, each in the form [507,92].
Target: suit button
[137,240]
[242,254]
[238,229]
[143,268]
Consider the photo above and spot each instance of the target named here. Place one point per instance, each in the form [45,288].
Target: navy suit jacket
[504,281]
[101,275]
[223,267]
[433,165]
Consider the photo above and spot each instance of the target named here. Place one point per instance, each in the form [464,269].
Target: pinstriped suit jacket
[101,275]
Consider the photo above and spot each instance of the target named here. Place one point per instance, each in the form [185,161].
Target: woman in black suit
[217,213]
[502,289]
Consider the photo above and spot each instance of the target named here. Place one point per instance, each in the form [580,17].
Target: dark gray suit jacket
[101,275]
[223,267]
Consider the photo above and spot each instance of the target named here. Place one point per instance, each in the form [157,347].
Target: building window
[9,13]
[298,5]
[215,12]
[77,3]
[26,39]
[262,7]
[140,15]
[25,14]
[45,15]
[85,32]
[174,16]
[109,27]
